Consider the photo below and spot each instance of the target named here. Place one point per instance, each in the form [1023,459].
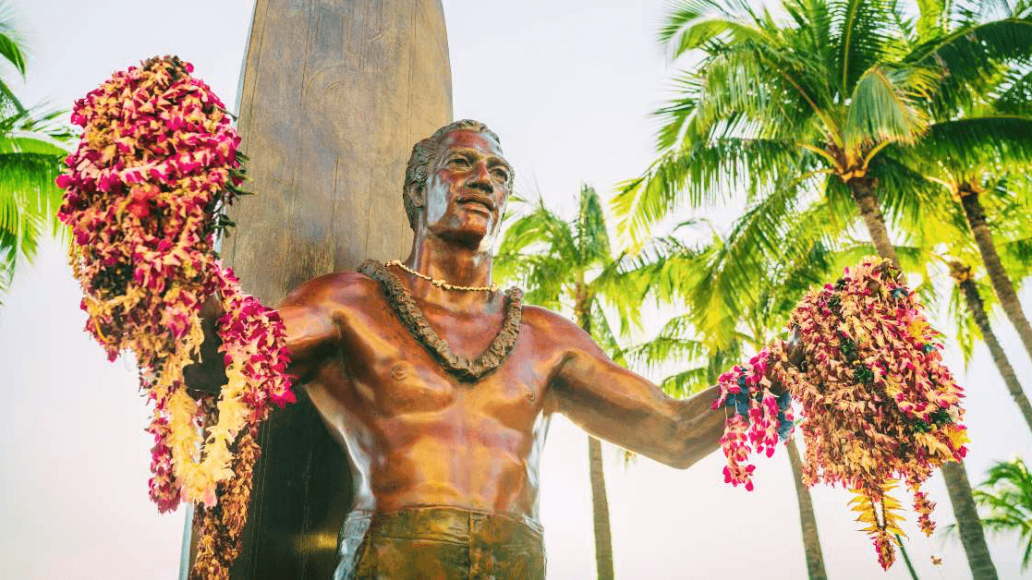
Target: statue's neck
[455,264]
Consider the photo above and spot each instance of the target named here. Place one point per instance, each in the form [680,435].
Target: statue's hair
[425,152]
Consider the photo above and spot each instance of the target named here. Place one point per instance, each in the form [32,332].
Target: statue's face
[468,188]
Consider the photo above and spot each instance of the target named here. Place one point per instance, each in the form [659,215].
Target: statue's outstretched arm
[624,408]
[310,316]
[628,410]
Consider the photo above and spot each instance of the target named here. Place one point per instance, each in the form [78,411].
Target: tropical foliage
[818,112]
[31,150]
[569,266]
[1006,500]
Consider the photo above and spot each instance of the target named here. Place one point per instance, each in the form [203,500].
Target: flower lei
[144,190]
[758,419]
[879,405]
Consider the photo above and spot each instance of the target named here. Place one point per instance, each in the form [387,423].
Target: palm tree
[1001,281]
[975,306]
[997,95]
[31,153]
[973,170]
[569,265]
[1007,495]
[803,117]
[735,318]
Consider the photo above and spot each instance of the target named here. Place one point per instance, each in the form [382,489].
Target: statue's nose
[481,178]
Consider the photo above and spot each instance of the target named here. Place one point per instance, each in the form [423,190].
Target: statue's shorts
[441,543]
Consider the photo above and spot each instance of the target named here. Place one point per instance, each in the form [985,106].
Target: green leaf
[10,40]
[862,33]
[884,106]
[973,59]
[691,24]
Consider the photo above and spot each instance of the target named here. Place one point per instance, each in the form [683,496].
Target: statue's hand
[796,358]
[794,346]
[206,377]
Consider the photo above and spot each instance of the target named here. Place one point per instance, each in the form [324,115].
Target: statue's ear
[415,194]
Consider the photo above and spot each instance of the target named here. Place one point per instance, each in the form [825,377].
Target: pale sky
[582,78]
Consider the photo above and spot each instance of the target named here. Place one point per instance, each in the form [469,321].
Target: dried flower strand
[157,162]
[878,404]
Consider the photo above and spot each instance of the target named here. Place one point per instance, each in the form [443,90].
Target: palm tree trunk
[1002,284]
[957,484]
[906,558]
[600,509]
[971,534]
[811,541]
[962,275]
[862,189]
[599,498]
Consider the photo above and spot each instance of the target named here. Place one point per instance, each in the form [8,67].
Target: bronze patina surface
[408,312]
[443,543]
[416,434]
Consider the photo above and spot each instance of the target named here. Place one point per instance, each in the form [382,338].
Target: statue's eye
[458,162]
[500,174]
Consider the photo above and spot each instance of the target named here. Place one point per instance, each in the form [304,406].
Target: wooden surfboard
[333,95]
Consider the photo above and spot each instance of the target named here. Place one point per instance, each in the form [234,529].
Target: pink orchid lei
[144,190]
[878,404]
[758,419]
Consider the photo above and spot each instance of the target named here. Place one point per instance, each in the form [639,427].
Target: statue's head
[457,183]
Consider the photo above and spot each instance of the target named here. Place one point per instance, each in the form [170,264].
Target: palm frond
[700,176]
[884,106]
[1006,495]
[27,189]
[933,18]
[691,24]
[687,382]
[1014,94]
[1000,143]
[603,334]
[966,332]
[674,342]
[906,195]
[10,40]
[862,31]
[592,237]
[972,59]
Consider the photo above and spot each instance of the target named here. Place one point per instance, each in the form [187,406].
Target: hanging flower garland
[144,193]
[879,406]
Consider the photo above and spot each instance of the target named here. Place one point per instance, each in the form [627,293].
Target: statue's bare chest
[391,373]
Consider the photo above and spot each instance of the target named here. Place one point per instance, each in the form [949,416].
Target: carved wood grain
[333,95]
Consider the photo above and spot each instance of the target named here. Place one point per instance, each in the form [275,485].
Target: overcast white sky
[583,76]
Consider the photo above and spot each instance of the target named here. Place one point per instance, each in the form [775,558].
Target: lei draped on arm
[878,404]
[156,165]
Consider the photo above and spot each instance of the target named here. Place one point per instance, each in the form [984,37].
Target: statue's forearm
[699,428]
[624,408]
[621,407]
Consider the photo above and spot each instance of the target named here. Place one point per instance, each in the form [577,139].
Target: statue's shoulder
[342,289]
[552,325]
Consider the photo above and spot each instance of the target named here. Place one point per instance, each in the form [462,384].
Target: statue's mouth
[474,201]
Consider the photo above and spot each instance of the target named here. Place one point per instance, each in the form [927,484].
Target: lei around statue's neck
[465,369]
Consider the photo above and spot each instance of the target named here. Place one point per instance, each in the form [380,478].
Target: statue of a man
[441,388]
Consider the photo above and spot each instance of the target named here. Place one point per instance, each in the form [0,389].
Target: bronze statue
[441,388]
